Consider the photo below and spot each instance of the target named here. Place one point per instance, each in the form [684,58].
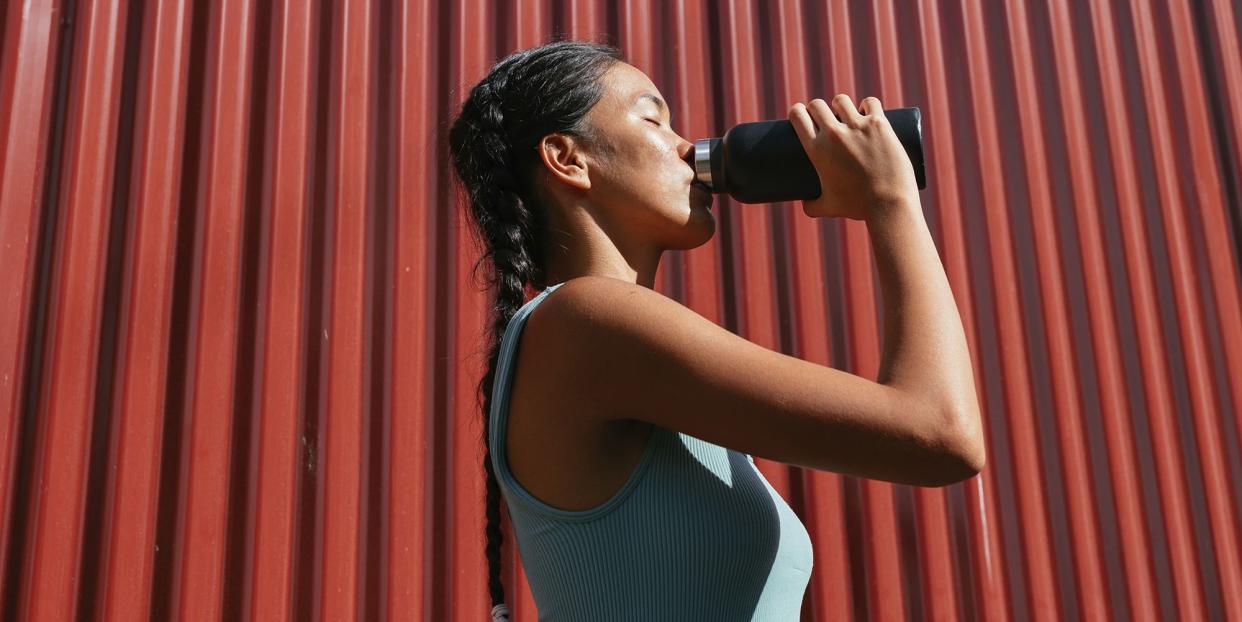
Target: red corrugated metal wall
[239,338]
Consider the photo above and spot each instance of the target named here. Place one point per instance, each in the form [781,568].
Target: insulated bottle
[764,162]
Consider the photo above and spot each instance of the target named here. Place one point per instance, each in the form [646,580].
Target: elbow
[958,465]
[964,447]
[966,463]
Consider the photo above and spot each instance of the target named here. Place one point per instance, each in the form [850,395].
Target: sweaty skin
[616,205]
[604,359]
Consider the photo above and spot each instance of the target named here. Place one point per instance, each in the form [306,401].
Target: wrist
[897,208]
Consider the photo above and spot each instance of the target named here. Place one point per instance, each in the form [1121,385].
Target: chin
[696,231]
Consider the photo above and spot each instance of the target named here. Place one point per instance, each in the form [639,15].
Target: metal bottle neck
[703,161]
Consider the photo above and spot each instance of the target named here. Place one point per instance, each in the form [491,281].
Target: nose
[686,150]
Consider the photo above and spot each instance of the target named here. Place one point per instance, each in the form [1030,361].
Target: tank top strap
[502,383]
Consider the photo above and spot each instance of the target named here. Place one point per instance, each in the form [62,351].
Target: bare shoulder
[629,352]
[584,306]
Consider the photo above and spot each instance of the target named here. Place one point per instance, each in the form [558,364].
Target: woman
[620,433]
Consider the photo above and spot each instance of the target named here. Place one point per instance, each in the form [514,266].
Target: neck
[582,247]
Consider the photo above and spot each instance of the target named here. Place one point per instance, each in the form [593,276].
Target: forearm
[925,351]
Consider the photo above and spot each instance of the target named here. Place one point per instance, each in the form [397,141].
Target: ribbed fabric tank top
[695,533]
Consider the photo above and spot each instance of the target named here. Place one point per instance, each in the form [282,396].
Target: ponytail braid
[525,96]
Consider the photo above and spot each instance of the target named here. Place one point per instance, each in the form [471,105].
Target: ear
[563,158]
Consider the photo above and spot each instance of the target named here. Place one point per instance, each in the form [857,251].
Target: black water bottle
[764,162]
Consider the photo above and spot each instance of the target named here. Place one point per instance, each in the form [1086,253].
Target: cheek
[641,165]
[646,169]
[663,164]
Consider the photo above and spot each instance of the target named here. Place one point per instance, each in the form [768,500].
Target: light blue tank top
[695,533]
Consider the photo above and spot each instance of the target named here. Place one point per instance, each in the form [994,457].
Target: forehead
[626,83]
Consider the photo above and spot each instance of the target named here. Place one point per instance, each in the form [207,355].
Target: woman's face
[641,170]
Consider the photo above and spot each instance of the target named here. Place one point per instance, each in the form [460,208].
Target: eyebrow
[655,99]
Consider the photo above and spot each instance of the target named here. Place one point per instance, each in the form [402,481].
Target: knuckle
[820,107]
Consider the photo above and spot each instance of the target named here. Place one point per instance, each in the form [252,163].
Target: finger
[871,106]
[822,115]
[844,107]
[802,123]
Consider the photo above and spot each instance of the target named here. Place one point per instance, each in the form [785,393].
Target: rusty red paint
[27,80]
[127,562]
[410,433]
[320,203]
[55,530]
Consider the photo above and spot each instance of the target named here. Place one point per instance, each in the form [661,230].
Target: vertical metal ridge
[1230,68]
[531,23]
[213,308]
[1209,193]
[1187,587]
[1189,308]
[342,430]
[279,354]
[1070,426]
[1189,316]
[1116,406]
[174,443]
[1044,598]
[467,581]
[29,58]
[309,552]
[1214,191]
[377,409]
[1138,261]
[586,20]
[54,535]
[146,305]
[410,434]
[239,550]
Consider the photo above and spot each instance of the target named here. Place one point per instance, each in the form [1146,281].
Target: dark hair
[524,97]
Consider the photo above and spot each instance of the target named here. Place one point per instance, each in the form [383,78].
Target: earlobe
[564,160]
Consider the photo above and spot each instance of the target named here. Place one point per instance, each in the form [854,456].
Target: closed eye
[654,121]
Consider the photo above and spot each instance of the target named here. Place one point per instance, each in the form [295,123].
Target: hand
[861,164]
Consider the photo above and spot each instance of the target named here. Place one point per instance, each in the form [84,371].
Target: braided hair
[493,141]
